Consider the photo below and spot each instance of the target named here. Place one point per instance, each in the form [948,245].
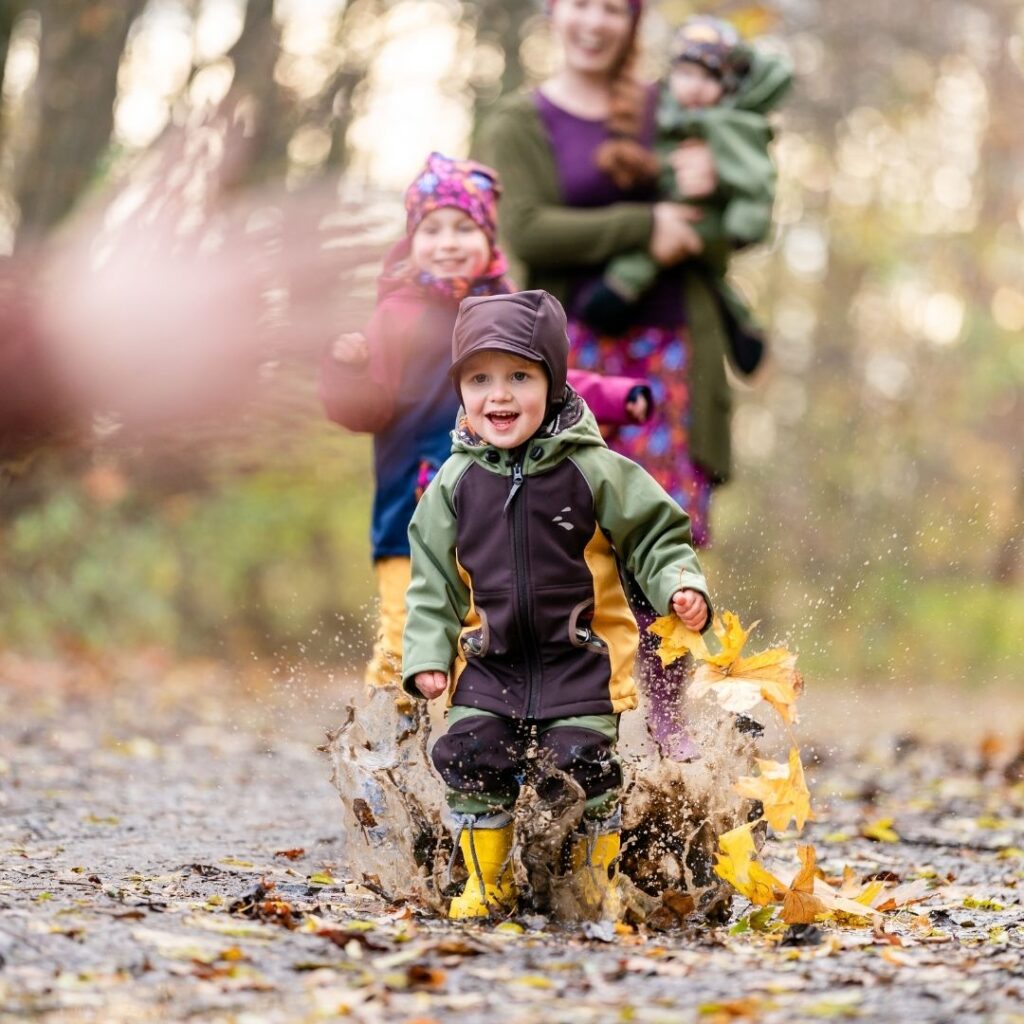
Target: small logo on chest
[561,522]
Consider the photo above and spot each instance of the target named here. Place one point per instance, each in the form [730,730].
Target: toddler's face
[693,86]
[592,33]
[448,243]
[504,396]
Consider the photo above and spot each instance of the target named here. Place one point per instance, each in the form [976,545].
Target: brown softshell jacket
[517,555]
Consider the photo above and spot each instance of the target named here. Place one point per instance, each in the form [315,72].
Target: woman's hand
[350,348]
[673,237]
[691,608]
[431,684]
[694,165]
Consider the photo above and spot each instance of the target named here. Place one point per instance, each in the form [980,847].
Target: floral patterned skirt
[661,445]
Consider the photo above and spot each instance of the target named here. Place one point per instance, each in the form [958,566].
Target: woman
[562,219]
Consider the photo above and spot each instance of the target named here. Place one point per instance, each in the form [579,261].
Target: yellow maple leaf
[770,675]
[735,863]
[737,683]
[677,640]
[731,635]
[782,790]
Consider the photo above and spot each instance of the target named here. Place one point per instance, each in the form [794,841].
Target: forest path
[139,802]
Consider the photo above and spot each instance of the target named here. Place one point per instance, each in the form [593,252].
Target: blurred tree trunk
[1002,181]
[338,100]
[79,54]
[500,23]
[255,99]
[9,12]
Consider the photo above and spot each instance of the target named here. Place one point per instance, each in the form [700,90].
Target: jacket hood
[765,84]
[572,426]
[394,276]
[529,324]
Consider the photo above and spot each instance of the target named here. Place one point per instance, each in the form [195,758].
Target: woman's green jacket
[546,240]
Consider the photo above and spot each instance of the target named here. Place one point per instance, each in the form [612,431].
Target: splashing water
[394,829]
[398,831]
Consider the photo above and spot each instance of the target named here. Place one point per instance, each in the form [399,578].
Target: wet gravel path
[172,851]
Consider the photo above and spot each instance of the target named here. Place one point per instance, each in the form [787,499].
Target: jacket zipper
[523,620]
[517,482]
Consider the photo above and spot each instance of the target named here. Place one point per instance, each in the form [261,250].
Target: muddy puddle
[398,831]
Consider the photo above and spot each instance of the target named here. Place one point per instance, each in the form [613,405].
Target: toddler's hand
[431,684]
[638,409]
[694,166]
[350,348]
[691,608]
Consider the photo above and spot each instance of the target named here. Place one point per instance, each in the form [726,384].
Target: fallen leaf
[881,831]
[534,981]
[903,895]
[735,863]
[510,927]
[782,790]
[799,904]
[737,683]
[343,937]
[732,1009]
[420,976]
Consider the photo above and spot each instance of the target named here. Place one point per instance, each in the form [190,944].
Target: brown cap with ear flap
[527,324]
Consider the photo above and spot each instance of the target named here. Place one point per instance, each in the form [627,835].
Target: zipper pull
[517,482]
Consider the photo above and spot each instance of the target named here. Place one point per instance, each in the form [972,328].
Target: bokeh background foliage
[875,521]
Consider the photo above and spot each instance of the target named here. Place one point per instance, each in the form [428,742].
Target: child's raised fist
[691,608]
[431,684]
[638,403]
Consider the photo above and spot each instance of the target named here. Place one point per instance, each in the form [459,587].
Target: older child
[516,605]
[393,382]
[718,90]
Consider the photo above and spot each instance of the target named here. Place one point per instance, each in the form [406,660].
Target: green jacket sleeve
[739,141]
[650,532]
[437,599]
[539,229]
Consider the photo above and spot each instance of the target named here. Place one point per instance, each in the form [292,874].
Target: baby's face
[693,86]
[448,243]
[504,396]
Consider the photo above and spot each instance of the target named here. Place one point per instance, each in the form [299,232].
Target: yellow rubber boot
[490,887]
[593,859]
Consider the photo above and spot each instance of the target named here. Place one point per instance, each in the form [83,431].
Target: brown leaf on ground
[799,904]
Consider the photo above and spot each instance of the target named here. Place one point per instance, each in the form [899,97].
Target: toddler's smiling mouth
[502,420]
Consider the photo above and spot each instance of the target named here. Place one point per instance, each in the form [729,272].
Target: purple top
[574,141]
